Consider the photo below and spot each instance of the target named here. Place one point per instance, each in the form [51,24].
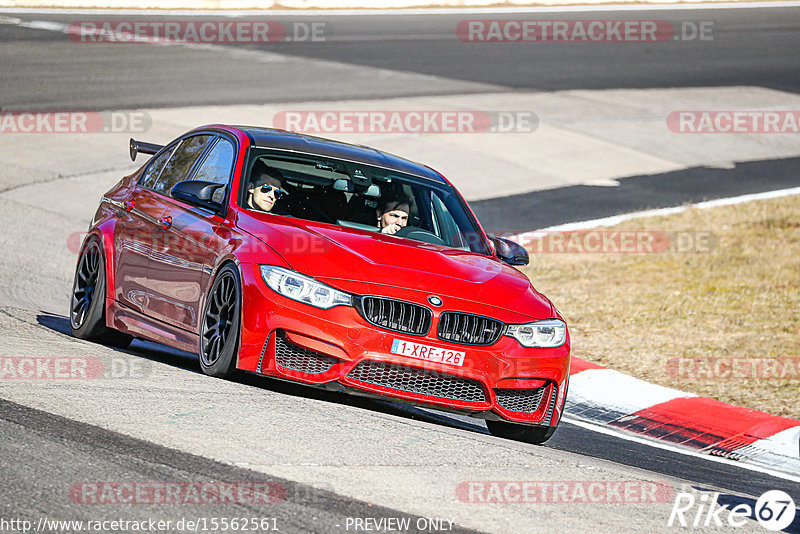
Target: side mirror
[510,252]
[198,193]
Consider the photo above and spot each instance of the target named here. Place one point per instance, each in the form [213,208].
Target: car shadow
[57,323]
[189,362]
[145,349]
[366,403]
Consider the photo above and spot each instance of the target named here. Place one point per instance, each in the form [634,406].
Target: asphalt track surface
[542,209]
[751,47]
[34,438]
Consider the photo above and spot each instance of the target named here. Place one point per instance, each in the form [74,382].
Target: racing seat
[362,210]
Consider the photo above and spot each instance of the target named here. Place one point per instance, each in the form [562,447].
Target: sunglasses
[277,191]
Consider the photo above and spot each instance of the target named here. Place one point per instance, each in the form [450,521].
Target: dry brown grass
[635,312]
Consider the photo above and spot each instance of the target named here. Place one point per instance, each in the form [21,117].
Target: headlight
[541,334]
[303,288]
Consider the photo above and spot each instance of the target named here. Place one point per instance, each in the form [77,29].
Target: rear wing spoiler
[137,147]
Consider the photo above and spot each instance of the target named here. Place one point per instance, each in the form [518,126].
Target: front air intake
[520,400]
[290,356]
[420,381]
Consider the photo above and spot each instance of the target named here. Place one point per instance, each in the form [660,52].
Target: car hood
[332,253]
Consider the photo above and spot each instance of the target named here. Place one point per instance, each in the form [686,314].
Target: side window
[446,225]
[216,167]
[180,164]
[150,176]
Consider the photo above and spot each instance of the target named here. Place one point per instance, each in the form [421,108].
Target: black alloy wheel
[85,286]
[219,331]
[87,311]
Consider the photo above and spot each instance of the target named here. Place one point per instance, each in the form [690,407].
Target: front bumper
[338,349]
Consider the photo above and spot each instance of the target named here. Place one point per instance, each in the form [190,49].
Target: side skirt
[132,322]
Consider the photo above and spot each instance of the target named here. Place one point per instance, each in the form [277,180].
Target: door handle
[165,222]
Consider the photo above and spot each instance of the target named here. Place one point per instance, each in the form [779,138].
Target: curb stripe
[595,395]
[577,365]
[683,419]
[782,451]
[706,424]
[778,470]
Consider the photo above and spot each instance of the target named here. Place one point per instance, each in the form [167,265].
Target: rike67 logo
[774,510]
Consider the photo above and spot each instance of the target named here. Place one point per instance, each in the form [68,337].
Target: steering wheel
[419,234]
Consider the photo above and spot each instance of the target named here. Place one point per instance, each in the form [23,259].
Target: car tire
[219,327]
[529,434]
[87,314]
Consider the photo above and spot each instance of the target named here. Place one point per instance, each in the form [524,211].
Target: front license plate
[427,353]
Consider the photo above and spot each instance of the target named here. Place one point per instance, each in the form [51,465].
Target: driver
[393,215]
[265,187]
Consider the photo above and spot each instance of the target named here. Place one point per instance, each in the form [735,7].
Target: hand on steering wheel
[391,229]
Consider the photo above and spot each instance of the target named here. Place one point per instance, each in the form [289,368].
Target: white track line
[406,11]
[616,219]
[672,448]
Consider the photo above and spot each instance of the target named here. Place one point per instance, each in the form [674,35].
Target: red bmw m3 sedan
[327,264]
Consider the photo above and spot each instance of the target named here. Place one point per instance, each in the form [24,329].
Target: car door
[181,267]
[137,230]
[142,235]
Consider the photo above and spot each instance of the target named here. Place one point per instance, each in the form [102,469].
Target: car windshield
[354,195]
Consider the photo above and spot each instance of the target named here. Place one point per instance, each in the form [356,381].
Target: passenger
[265,187]
[393,215]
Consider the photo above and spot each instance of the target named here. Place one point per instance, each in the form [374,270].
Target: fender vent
[520,400]
[290,356]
